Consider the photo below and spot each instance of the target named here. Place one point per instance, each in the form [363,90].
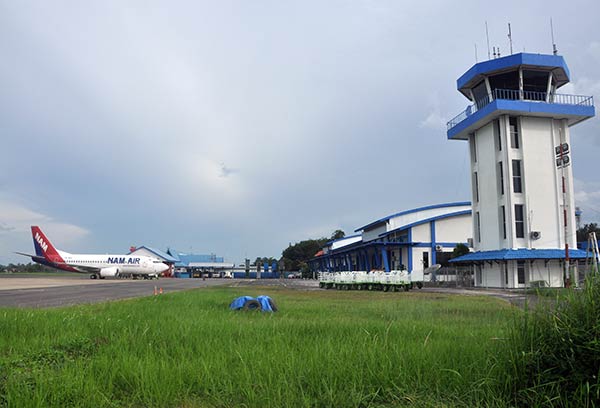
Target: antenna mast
[554,50]
[476,53]
[487,35]
[510,39]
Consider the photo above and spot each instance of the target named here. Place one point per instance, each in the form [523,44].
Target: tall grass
[554,351]
[323,349]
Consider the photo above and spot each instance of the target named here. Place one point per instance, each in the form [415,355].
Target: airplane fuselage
[99,266]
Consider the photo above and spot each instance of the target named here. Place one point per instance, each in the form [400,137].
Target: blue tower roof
[554,63]
[519,84]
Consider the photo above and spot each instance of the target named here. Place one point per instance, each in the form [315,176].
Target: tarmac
[48,291]
[63,290]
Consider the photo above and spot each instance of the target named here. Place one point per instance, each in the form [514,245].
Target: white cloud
[15,233]
[587,197]
[434,121]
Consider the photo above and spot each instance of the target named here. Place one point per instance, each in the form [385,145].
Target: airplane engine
[109,272]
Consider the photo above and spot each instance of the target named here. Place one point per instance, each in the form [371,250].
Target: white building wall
[374,233]
[421,233]
[418,257]
[402,220]
[487,192]
[541,182]
[145,252]
[340,243]
[490,275]
[454,229]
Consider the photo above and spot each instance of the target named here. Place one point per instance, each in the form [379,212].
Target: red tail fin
[43,246]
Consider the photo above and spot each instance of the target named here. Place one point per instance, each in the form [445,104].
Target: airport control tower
[518,129]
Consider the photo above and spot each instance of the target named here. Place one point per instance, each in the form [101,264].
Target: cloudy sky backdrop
[237,127]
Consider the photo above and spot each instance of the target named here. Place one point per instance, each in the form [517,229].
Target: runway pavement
[63,290]
[48,291]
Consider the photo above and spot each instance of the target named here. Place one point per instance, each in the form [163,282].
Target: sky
[239,127]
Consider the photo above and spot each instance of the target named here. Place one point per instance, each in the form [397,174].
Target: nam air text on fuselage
[123,260]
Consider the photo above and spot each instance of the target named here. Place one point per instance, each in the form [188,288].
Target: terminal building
[184,265]
[409,240]
[518,130]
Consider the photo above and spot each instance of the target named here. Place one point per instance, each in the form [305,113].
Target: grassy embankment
[321,349]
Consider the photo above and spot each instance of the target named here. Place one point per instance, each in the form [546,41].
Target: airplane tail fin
[43,246]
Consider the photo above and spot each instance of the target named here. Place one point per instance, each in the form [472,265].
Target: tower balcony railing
[517,95]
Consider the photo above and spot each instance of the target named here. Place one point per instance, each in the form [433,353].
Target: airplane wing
[33,257]
[81,268]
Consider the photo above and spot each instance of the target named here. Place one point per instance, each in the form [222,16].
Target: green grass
[322,349]
[554,351]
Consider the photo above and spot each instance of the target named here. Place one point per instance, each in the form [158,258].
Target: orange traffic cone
[155,291]
[161,291]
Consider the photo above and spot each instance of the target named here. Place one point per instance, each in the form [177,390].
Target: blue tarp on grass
[265,302]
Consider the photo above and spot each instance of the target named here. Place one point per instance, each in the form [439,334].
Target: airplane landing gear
[94,276]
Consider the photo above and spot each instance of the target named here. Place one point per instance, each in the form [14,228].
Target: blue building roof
[429,207]
[557,63]
[439,217]
[521,254]
[183,259]
[158,253]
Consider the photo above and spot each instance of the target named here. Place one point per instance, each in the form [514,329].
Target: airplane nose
[162,268]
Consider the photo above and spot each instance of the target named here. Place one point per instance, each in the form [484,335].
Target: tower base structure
[523,268]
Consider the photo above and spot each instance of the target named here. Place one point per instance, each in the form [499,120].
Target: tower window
[514,132]
[519,221]
[501,177]
[480,94]
[517,181]
[498,136]
[503,218]
[535,85]
[521,272]
[478,227]
[476,188]
[473,145]
[506,85]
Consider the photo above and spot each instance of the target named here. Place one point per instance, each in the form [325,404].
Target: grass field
[323,348]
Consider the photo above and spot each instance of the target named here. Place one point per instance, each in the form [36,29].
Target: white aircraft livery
[98,266]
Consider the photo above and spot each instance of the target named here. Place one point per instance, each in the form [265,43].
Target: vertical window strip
[519,221]
[501,172]
[503,210]
[517,181]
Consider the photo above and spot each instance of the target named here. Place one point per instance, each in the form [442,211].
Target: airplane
[98,266]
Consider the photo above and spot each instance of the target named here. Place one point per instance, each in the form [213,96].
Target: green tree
[296,257]
[583,232]
[338,234]
[460,250]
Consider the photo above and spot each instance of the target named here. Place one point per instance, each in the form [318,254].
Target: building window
[517,182]
[501,173]
[478,227]
[503,217]
[498,136]
[425,260]
[535,85]
[514,132]
[480,94]
[473,145]
[505,274]
[476,188]
[519,221]
[521,272]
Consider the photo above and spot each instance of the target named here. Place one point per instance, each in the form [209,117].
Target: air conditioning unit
[535,234]
[439,248]
[470,242]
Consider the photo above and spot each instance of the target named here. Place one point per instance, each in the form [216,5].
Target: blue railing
[516,95]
